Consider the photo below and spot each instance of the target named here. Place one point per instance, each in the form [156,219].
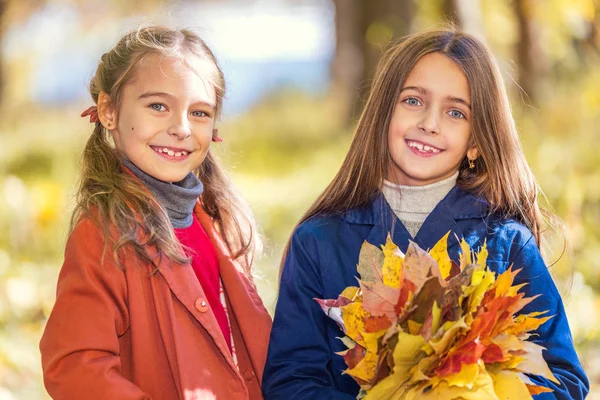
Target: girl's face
[166,117]
[430,128]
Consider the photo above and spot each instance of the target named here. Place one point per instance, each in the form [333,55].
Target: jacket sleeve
[555,334]
[299,352]
[80,345]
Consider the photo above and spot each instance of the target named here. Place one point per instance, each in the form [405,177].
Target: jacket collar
[457,205]
[460,205]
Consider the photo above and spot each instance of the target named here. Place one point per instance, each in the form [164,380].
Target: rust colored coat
[129,334]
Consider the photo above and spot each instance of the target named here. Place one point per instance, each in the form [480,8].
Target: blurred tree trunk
[3,4]
[348,63]
[463,13]
[363,30]
[532,61]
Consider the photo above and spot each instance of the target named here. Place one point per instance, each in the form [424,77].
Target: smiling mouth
[422,148]
[171,153]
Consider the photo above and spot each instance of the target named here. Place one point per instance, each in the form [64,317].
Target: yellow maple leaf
[351,293]
[406,356]
[414,327]
[392,270]
[508,386]
[483,254]
[439,253]
[465,255]
[527,322]
[365,369]
[408,353]
[353,315]
[391,387]
[466,377]
[504,282]
[484,283]
[372,340]
[483,389]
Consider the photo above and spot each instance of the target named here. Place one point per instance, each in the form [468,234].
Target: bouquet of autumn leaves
[420,326]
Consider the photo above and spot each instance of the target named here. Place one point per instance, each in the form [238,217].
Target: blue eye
[411,101]
[158,107]
[456,114]
[199,114]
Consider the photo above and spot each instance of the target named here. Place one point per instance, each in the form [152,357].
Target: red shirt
[206,267]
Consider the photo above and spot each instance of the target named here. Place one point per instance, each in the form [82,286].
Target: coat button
[249,375]
[201,304]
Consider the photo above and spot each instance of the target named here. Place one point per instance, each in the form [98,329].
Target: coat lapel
[185,286]
[247,308]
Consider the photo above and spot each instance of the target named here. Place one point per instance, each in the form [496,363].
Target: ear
[107,111]
[473,153]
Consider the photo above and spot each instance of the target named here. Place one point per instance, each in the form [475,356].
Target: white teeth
[423,147]
[172,153]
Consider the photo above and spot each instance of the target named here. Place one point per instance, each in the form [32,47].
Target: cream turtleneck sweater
[413,204]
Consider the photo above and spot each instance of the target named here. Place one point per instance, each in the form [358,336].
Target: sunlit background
[296,72]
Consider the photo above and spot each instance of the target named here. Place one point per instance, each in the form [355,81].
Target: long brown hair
[501,174]
[114,199]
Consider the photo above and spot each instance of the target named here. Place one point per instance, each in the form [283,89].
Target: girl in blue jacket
[435,150]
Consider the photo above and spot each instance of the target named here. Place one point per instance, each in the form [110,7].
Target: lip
[421,153]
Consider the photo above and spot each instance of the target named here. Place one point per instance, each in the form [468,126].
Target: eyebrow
[170,96]
[424,92]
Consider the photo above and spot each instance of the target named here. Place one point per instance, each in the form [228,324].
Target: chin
[166,176]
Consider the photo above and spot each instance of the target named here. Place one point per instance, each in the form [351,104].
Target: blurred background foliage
[287,124]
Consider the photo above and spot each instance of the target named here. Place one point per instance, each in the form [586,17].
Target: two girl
[435,150]
[155,299]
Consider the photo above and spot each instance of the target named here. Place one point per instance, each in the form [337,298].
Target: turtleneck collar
[417,199]
[178,198]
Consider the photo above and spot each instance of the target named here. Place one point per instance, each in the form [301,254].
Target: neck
[177,198]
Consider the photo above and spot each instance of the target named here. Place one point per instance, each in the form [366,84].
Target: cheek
[204,135]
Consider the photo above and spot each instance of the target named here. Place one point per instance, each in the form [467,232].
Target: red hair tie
[93,113]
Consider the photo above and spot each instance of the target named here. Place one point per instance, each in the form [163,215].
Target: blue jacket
[321,262]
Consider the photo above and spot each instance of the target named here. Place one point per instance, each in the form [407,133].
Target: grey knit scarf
[178,198]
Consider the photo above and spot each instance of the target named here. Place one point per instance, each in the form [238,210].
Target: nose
[179,126]
[429,122]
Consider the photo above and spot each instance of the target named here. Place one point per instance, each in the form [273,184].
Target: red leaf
[467,354]
[376,323]
[407,288]
[493,353]
[354,356]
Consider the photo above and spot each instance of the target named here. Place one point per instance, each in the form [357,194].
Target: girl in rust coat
[155,299]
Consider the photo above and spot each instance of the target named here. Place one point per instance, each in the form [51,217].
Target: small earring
[109,124]
[471,163]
